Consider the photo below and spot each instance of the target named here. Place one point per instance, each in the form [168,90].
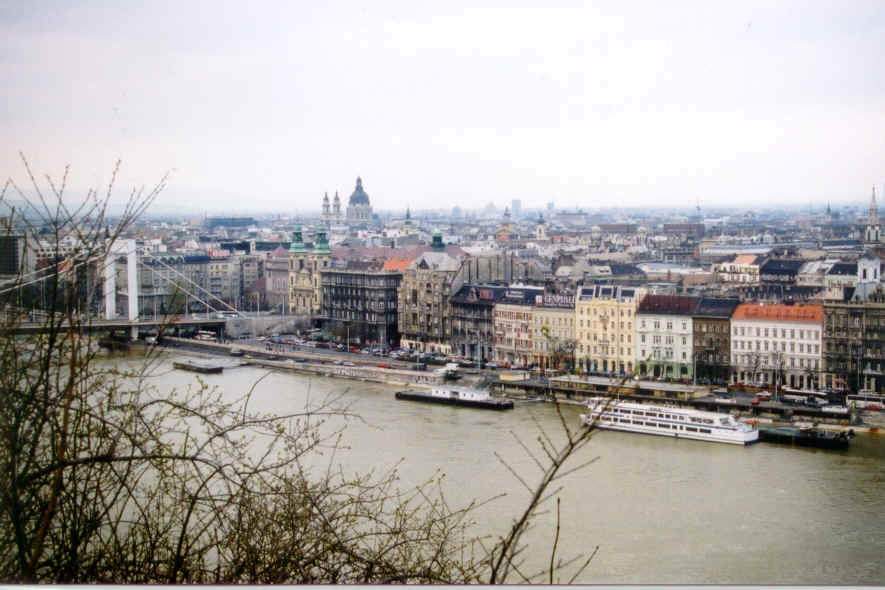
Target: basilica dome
[359,196]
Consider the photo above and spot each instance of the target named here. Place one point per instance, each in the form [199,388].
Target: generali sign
[549,300]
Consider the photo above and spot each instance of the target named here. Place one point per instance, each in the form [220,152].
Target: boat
[457,396]
[808,436]
[611,414]
[198,366]
[236,352]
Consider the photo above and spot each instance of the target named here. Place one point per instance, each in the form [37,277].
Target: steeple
[336,205]
[326,204]
[873,233]
[437,243]
[297,245]
[321,242]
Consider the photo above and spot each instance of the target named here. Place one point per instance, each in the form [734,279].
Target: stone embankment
[309,363]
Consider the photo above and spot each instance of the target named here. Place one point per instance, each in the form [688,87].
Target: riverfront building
[514,325]
[605,329]
[359,302]
[711,327]
[665,335]
[553,337]
[771,343]
[425,322]
[305,266]
[472,309]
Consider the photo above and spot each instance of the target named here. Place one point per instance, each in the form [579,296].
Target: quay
[521,386]
[578,389]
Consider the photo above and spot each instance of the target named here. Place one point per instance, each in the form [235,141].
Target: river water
[661,510]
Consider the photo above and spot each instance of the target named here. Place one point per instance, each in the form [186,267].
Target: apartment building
[777,344]
[606,328]
[665,336]
[553,332]
[513,325]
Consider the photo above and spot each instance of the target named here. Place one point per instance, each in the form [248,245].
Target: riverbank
[330,365]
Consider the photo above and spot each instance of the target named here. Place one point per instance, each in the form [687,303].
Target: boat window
[637,422]
[651,424]
[705,430]
[691,429]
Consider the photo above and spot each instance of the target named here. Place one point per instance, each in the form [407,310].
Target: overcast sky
[266,105]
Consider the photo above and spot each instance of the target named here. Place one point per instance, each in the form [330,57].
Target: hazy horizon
[266,106]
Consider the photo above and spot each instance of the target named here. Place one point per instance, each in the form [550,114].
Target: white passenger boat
[611,414]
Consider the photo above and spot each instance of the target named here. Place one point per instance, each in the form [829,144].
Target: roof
[781,266]
[745,259]
[395,263]
[436,261]
[710,307]
[785,313]
[668,304]
[844,268]
[359,196]
[479,294]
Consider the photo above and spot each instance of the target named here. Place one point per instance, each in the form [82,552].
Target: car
[383,365]
[491,365]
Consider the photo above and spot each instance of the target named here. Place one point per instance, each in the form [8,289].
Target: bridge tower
[127,248]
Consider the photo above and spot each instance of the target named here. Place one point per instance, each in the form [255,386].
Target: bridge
[132,322]
[102,325]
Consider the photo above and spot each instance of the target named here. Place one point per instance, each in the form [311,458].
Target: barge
[457,396]
[197,366]
[806,437]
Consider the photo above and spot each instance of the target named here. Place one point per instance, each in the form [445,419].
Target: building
[472,313]
[276,269]
[665,336]
[359,303]
[425,321]
[358,209]
[606,328]
[743,269]
[514,325]
[853,341]
[553,338]
[711,327]
[305,265]
[773,344]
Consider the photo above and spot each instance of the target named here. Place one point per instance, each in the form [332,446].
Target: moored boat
[806,437]
[198,366]
[610,414]
[457,396]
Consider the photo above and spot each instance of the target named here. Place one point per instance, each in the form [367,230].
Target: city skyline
[266,107]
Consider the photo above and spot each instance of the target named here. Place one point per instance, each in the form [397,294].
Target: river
[661,510]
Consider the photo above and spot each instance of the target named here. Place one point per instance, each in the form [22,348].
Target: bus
[866,400]
[205,335]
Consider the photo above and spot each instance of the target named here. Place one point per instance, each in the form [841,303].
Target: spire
[408,214]
[297,245]
[874,210]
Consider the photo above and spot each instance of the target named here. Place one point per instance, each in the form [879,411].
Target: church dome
[359,196]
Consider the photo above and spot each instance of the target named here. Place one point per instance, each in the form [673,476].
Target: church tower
[873,233]
[326,211]
[336,208]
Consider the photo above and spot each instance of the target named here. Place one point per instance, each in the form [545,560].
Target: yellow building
[605,328]
[553,339]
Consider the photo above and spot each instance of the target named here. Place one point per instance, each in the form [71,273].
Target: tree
[106,479]
[562,350]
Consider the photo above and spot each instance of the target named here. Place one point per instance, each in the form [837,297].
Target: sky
[264,106]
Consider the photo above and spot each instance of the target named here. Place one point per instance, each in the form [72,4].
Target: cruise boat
[457,396]
[611,414]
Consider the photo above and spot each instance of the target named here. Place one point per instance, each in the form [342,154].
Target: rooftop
[787,313]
